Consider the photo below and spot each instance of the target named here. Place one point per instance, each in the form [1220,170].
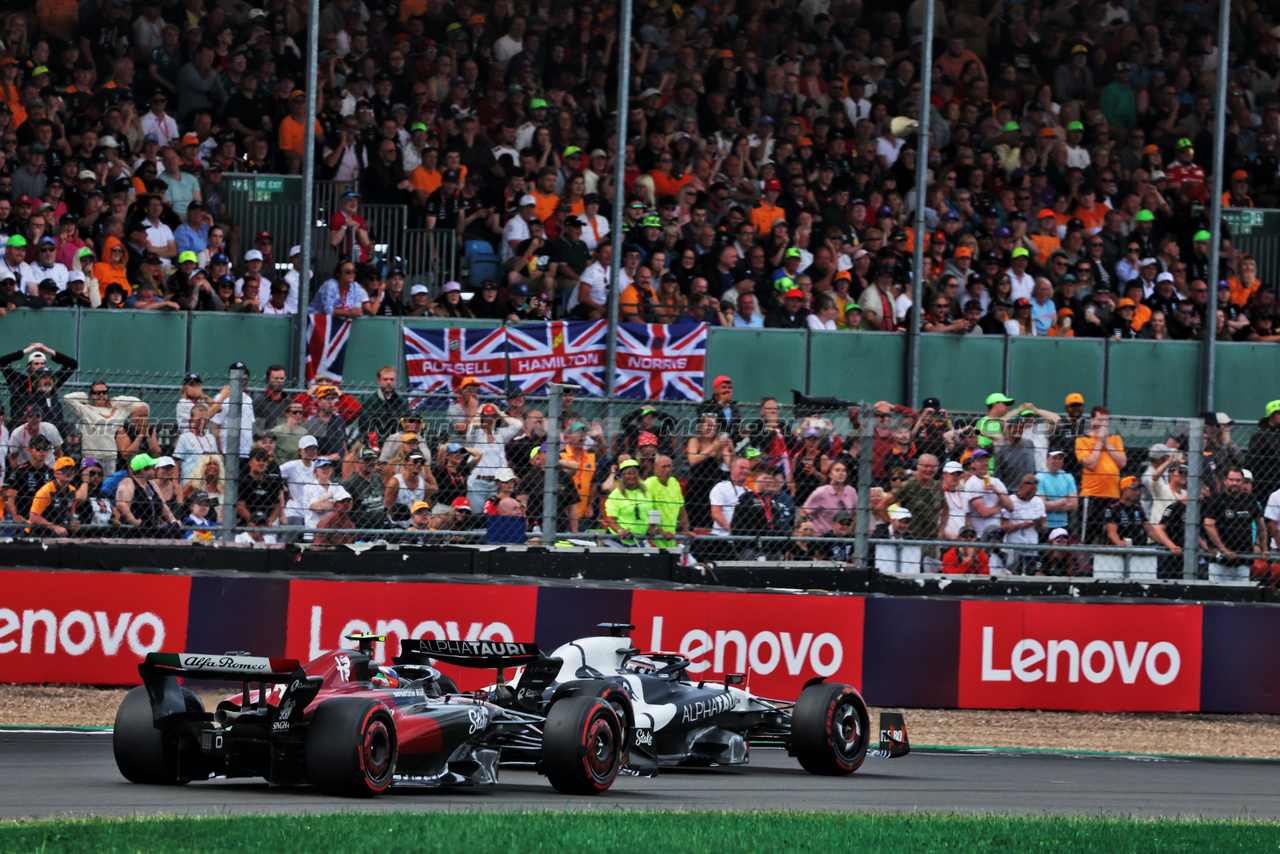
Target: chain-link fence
[1019,490]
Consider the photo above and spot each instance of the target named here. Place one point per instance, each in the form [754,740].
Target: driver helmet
[641,664]
[386,677]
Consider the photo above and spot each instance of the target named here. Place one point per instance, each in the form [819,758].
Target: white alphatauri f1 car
[674,720]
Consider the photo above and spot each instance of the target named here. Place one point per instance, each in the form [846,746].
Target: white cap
[1159,449]
[338,493]
[1147,262]
[449,287]
[1248,475]
[108,142]
[165,461]
[295,250]
[419,289]
[307,442]
[649,93]
[952,467]
[1058,533]
[900,513]
[75,276]
[527,199]
[504,473]
[253,255]
[1165,277]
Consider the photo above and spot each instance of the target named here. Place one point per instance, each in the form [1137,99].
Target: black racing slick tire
[583,745]
[830,729]
[351,747]
[144,752]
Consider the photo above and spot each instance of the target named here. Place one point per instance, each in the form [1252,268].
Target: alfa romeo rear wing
[160,672]
[228,667]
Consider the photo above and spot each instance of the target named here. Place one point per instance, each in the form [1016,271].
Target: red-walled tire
[583,745]
[830,729]
[351,747]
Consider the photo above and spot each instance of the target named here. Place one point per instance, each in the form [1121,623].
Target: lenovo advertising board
[780,641]
[323,613]
[87,627]
[1120,658]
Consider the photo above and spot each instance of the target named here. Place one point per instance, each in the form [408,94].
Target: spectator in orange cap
[1237,194]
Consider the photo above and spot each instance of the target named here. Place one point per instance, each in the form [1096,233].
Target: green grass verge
[620,830]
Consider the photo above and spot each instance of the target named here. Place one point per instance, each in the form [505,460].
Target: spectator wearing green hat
[1077,154]
[1198,260]
[992,426]
[15,255]
[1264,460]
[141,508]
[789,270]
[1021,282]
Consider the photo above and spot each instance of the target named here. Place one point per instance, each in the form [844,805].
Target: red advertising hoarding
[1123,658]
[780,641]
[323,613]
[87,627]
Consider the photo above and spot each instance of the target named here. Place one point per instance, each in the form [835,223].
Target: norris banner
[653,361]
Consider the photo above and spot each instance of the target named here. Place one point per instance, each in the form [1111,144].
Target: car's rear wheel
[144,752]
[830,729]
[351,747]
[583,745]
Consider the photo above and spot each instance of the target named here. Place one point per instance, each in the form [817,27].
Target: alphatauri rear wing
[482,654]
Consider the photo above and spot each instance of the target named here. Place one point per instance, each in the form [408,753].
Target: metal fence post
[1191,524]
[1208,361]
[550,469]
[862,519]
[231,448]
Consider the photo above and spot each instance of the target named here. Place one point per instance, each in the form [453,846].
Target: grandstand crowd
[770,159]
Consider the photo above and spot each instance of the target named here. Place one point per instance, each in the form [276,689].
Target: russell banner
[95,627]
[653,361]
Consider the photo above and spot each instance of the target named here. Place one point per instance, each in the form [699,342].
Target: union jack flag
[559,351]
[439,359]
[326,345]
[658,362]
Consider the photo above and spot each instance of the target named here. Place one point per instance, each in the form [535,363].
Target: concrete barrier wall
[1142,378]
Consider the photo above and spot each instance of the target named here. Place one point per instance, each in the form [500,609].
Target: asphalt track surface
[50,774]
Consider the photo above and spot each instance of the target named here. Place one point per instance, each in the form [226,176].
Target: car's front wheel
[830,729]
[583,745]
[351,747]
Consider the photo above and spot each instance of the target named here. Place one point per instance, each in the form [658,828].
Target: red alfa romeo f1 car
[351,728]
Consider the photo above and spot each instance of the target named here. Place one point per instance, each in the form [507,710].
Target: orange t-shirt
[1046,245]
[545,205]
[1102,481]
[1092,219]
[583,477]
[424,181]
[1240,295]
[667,185]
[293,135]
[762,217]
